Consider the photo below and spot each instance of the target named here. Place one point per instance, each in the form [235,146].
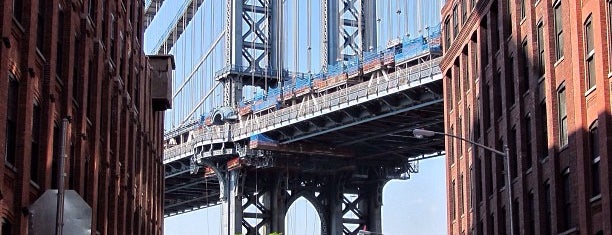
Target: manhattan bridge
[275,100]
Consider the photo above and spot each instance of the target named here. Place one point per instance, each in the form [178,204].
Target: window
[540,36]
[459,133]
[478,179]
[452,201]
[60,39]
[91,10]
[531,213]
[451,150]
[57,138]
[455,22]
[547,226]
[497,108]
[34,156]
[527,162]
[484,49]
[508,20]
[558,28]
[515,217]
[461,197]
[18,10]
[562,110]
[7,227]
[510,100]
[457,79]
[567,201]
[449,92]
[500,164]
[447,33]
[590,54]
[502,221]
[523,13]
[11,120]
[40,26]
[525,64]
[543,131]
[595,159]
[463,12]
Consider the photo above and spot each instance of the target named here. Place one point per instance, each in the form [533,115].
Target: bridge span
[334,138]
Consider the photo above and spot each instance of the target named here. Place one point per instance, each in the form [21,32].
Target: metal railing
[401,79]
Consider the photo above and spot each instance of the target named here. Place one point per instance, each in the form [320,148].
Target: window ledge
[590,90]
[544,159]
[559,61]
[569,231]
[523,20]
[564,147]
[595,198]
[528,172]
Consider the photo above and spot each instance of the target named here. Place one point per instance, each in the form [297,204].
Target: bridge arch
[313,203]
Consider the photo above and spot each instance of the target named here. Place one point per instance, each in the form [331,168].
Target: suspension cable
[309,52]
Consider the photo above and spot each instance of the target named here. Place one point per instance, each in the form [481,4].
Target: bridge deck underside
[377,132]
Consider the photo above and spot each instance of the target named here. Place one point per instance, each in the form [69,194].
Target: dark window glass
[547,225]
[486,115]
[595,159]
[494,32]
[541,55]
[458,93]
[455,22]
[451,149]
[515,217]
[502,221]
[543,131]
[34,156]
[531,213]
[463,11]
[11,120]
[18,10]
[447,34]
[7,227]
[527,157]
[558,28]
[452,201]
[478,179]
[562,110]
[60,40]
[500,167]
[590,54]
[57,138]
[510,100]
[461,198]
[459,133]
[40,26]
[508,19]
[525,64]
[523,13]
[497,94]
[567,201]
[91,10]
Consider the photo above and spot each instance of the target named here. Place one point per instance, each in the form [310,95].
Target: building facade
[533,75]
[80,59]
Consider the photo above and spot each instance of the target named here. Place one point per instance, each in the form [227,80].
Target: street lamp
[422,133]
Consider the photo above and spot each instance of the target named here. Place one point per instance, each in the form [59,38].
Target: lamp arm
[472,142]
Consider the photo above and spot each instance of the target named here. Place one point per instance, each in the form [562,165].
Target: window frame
[558,24]
[541,50]
[589,57]
[595,157]
[455,20]
[562,116]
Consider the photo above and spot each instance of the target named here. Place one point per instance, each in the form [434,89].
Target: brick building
[533,75]
[81,59]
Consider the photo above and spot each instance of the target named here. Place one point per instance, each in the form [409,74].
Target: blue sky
[415,206]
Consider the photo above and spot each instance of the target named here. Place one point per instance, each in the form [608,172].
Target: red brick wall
[511,72]
[114,144]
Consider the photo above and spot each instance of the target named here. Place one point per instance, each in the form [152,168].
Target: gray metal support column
[348,27]
[233,35]
[274,199]
[334,207]
[374,206]
[369,24]
[232,205]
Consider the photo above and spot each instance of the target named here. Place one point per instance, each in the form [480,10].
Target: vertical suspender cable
[418,16]
[309,55]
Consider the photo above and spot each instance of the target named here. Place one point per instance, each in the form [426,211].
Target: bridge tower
[270,181]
